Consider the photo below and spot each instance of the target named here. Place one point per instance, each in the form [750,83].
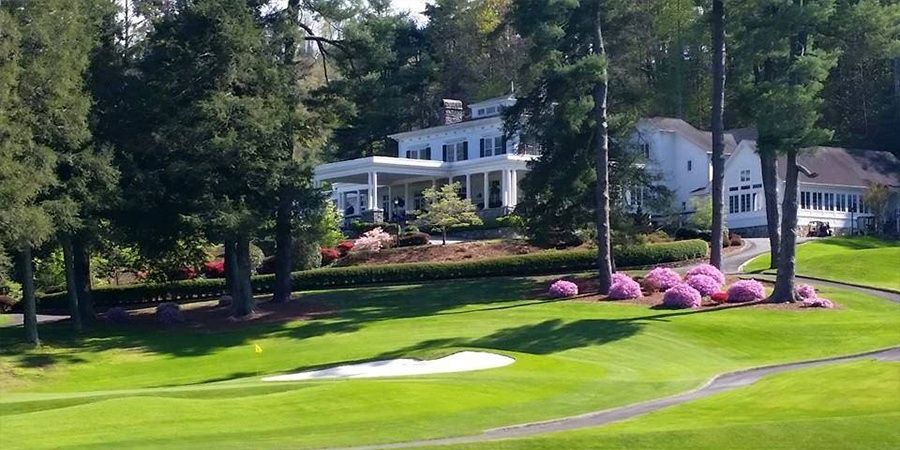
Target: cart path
[720,383]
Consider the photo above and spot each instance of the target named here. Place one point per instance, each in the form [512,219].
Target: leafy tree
[446,209]
[876,197]
[702,218]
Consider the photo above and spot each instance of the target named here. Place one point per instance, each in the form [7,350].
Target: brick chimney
[451,111]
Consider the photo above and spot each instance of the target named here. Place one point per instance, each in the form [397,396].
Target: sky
[414,7]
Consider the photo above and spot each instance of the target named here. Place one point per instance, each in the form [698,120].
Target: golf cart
[817,228]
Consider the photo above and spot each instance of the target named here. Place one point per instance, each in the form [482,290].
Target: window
[854,203]
[842,202]
[492,146]
[804,200]
[733,188]
[817,201]
[645,150]
[732,204]
[757,186]
[745,175]
[419,153]
[458,151]
[690,165]
[829,202]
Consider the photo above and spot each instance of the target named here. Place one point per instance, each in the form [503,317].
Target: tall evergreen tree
[718,132]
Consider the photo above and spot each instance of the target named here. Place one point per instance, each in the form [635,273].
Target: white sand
[458,362]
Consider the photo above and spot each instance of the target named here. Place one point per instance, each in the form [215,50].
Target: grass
[4,319]
[846,406]
[858,260]
[137,387]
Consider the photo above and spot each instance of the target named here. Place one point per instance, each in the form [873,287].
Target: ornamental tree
[446,209]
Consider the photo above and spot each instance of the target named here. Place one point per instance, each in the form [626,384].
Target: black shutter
[465,150]
[445,152]
[502,146]
[482,146]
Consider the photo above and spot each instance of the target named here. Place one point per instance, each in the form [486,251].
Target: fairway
[858,260]
[184,388]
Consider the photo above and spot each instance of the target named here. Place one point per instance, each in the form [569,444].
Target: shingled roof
[700,138]
[848,167]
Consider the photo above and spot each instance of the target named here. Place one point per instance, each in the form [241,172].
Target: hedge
[541,263]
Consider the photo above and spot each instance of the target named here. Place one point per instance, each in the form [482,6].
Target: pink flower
[682,295]
[708,270]
[806,291]
[563,288]
[816,302]
[619,276]
[746,291]
[624,287]
[704,284]
[662,278]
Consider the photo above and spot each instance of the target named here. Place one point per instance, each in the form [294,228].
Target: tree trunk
[230,267]
[604,257]
[283,244]
[243,291]
[71,284]
[28,302]
[769,165]
[82,266]
[444,236]
[897,84]
[784,282]
[718,133]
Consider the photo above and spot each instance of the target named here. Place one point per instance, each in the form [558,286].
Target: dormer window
[486,111]
[419,153]
[492,146]
[745,175]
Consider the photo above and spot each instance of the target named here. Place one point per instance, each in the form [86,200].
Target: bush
[344,248]
[708,270]
[719,297]
[735,239]
[746,291]
[704,284]
[329,255]
[563,288]
[805,291]
[373,241]
[409,240]
[214,269]
[169,313]
[363,227]
[117,314]
[624,287]
[410,229]
[662,278]
[816,302]
[682,295]
[542,263]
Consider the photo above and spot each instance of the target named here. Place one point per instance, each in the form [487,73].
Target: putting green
[133,387]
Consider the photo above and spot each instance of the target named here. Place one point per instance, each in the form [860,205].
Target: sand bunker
[458,362]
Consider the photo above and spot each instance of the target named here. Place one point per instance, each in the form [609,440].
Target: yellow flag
[257,348]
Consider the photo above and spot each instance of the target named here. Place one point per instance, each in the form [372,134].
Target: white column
[504,188]
[358,202]
[373,191]
[468,187]
[487,190]
[390,203]
[405,197]
[514,178]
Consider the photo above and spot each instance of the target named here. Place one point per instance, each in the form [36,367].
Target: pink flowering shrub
[372,241]
[682,295]
[624,287]
[805,291]
[563,288]
[816,302]
[708,270]
[619,276]
[746,291]
[704,284]
[662,278]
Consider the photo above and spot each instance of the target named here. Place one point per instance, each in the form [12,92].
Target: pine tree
[718,132]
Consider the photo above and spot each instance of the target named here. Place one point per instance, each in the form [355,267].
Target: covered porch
[378,189]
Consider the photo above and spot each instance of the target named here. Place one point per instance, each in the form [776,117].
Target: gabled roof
[847,167]
[700,138]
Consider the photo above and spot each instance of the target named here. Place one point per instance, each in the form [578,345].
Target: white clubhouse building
[473,152]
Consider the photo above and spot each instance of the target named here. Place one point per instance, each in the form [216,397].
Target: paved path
[732,262]
[721,383]
[16,319]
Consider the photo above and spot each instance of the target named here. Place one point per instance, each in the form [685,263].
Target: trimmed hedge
[541,263]
[412,239]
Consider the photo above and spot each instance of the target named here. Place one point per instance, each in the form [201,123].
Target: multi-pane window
[745,175]
[492,146]
[740,203]
[732,204]
[457,151]
[645,150]
[690,165]
[419,153]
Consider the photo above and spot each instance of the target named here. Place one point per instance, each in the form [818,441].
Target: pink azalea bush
[372,241]
[816,302]
[746,291]
[619,276]
[708,270]
[624,287]
[682,295]
[704,284]
[662,278]
[563,288]
[805,291]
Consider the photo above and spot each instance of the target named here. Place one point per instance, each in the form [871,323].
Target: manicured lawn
[846,406]
[137,386]
[860,260]
[4,319]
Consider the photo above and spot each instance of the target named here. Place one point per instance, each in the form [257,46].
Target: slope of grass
[859,260]
[846,406]
[134,387]
[4,319]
